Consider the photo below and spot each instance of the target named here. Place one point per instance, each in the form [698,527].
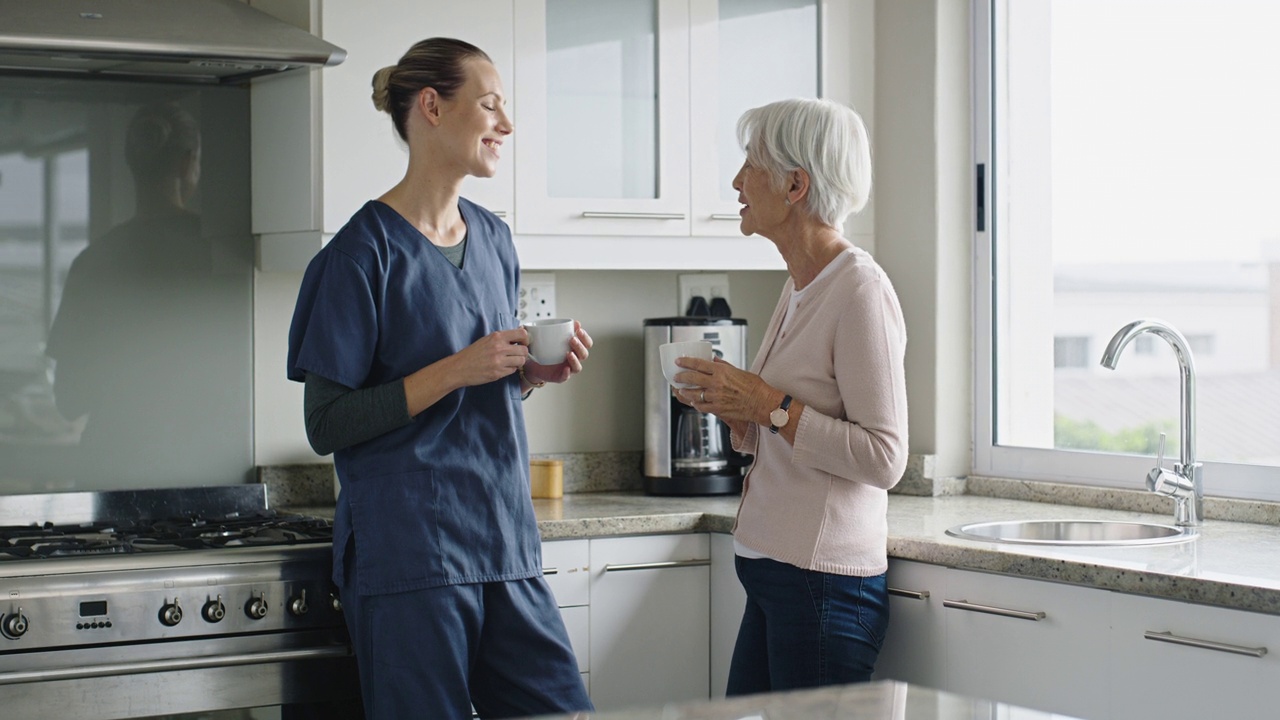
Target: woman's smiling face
[476,119]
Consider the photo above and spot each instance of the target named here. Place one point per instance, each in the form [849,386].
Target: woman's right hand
[492,357]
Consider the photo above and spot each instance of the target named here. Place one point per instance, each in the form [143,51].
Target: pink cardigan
[822,504]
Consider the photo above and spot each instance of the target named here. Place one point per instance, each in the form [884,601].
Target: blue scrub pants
[434,653]
[803,628]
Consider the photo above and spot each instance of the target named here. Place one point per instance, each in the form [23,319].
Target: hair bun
[381,92]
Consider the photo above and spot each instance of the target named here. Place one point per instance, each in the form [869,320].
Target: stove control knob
[14,625]
[256,608]
[298,606]
[214,610]
[171,613]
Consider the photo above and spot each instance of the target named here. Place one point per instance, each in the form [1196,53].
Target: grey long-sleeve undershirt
[339,417]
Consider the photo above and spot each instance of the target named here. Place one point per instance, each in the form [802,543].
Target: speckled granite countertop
[1231,564]
[885,700]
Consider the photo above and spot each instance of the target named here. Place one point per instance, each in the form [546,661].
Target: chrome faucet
[1184,482]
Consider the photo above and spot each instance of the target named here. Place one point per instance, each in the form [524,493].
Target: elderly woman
[823,410]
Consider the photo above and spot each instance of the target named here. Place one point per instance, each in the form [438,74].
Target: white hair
[822,137]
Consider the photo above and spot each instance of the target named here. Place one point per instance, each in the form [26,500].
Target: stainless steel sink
[1074,532]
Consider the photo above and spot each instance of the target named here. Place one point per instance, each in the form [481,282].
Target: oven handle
[134,668]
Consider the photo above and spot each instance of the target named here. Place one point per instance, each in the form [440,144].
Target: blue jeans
[803,628]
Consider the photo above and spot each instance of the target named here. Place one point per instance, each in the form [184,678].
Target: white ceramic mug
[668,352]
[549,340]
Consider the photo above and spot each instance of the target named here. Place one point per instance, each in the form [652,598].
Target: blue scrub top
[445,499]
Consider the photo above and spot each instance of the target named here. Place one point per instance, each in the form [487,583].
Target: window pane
[1141,165]
[759,40]
[602,102]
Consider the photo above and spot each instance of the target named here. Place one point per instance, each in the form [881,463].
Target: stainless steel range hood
[200,41]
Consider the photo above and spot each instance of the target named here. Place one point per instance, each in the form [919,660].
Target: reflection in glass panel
[1141,182]
[761,40]
[602,103]
[126,284]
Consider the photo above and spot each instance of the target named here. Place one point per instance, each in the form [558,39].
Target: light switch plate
[537,296]
[705,285]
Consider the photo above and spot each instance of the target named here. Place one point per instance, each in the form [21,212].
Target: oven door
[188,676]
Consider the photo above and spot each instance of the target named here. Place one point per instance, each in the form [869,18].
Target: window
[1070,352]
[1131,168]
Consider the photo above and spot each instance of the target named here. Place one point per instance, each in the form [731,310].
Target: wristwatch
[779,416]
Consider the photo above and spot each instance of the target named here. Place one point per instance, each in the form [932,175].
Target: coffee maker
[687,452]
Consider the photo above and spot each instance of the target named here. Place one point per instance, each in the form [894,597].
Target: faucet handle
[1167,482]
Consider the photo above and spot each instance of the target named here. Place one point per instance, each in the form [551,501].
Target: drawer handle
[913,594]
[1205,644]
[550,571]
[992,610]
[725,216]
[499,213]
[632,215]
[657,565]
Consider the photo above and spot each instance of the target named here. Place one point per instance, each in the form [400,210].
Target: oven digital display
[93,608]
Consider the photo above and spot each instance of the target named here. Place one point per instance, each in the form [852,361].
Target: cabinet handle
[725,216]
[499,213]
[1205,644]
[992,610]
[550,571]
[632,215]
[657,565]
[913,594]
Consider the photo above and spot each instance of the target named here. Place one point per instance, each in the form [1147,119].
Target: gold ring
[703,396]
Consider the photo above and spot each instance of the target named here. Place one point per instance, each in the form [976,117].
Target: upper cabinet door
[603,98]
[363,156]
[744,54]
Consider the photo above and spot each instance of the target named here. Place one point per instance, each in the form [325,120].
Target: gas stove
[118,596]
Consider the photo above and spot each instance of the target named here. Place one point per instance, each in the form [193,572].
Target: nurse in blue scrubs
[406,336]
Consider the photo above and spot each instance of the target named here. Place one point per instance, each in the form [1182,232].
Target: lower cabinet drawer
[577,622]
[565,565]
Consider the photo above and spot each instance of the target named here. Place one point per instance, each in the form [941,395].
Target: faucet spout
[1188,493]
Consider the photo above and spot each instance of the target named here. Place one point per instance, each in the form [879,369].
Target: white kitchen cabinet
[728,600]
[747,53]
[604,101]
[914,649]
[624,113]
[628,114]
[1175,660]
[650,630]
[565,566]
[1027,642]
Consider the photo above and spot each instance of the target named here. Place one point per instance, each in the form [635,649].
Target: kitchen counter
[1231,564]
[884,700]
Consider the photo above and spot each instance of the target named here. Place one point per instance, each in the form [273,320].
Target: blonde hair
[822,137]
[438,63]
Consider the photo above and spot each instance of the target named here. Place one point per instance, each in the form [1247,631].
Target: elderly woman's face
[763,205]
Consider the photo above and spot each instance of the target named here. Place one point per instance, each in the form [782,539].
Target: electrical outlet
[537,296]
[705,285]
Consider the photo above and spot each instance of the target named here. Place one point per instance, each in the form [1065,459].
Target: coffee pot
[687,452]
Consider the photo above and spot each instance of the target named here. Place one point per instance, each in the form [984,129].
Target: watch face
[778,417]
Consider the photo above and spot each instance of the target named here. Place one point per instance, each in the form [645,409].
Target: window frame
[1108,470]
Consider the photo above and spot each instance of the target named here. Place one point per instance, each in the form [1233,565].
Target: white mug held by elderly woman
[823,409]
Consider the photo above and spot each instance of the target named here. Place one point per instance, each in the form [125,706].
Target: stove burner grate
[191,533]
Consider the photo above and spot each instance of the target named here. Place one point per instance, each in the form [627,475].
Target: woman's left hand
[723,390]
[579,350]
